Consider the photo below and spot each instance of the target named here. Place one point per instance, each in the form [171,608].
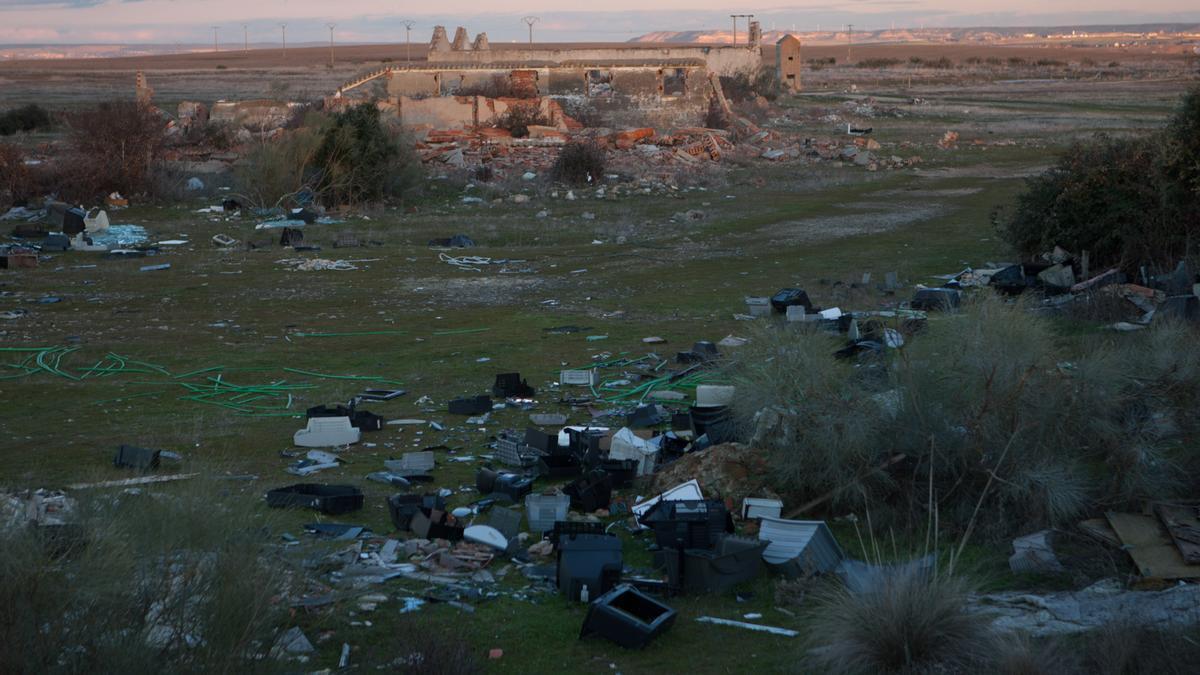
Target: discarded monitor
[470,406]
[137,458]
[588,565]
[73,222]
[510,486]
[936,299]
[790,297]
[627,617]
[732,561]
[510,385]
[328,499]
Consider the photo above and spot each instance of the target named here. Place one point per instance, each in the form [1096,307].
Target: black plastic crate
[628,617]
[689,523]
[137,458]
[470,406]
[559,466]
[565,528]
[622,471]
[591,491]
[329,499]
[505,484]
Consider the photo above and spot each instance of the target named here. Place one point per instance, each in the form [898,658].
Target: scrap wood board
[1151,547]
[1184,528]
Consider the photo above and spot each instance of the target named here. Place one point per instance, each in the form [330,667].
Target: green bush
[275,170]
[986,406]
[26,118]
[1128,202]
[360,159]
[579,163]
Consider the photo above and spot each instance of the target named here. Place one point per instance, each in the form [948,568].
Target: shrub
[497,86]
[913,621]
[143,583]
[1128,202]
[360,159]
[112,147]
[276,169]
[14,174]
[878,63]
[518,118]
[983,412]
[579,163]
[26,118]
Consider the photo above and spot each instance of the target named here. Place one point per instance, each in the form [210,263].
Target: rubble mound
[730,471]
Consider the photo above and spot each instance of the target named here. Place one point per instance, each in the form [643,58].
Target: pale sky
[190,21]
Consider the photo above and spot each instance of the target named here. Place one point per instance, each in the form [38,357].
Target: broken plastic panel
[627,617]
[470,406]
[137,458]
[591,492]
[510,385]
[328,499]
[402,508]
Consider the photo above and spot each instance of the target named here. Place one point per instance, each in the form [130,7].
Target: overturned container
[732,561]
[627,617]
[588,565]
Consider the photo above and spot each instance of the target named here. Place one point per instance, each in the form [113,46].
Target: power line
[530,20]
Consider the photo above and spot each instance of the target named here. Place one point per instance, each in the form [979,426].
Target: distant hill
[952,35]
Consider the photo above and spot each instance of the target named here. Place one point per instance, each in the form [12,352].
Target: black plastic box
[628,617]
[329,499]
[732,561]
[137,458]
[590,492]
[470,406]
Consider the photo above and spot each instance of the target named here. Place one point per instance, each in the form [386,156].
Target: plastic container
[564,528]
[510,385]
[559,466]
[732,561]
[591,492]
[704,417]
[934,299]
[628,617]
[754,507]
[470,406]
[328,499]
[591,560]
[505,484]
[327,432]
[688,523]
[543,511]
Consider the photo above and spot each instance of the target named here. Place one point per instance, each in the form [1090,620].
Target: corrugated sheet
[809,539]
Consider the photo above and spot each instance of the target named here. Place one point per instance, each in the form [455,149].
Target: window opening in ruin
[674,81]
[599,83]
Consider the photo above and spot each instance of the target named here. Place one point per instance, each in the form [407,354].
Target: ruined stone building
[465,83]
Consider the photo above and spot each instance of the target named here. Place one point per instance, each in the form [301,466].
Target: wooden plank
[1184,529]
[1151,548]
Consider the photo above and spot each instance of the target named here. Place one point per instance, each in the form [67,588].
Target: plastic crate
[591,492]
[688,523]
[543,511]
[622,471]
[628,617]
[732,561]
[329,499]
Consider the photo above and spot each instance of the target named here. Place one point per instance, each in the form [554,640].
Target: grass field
[628,273]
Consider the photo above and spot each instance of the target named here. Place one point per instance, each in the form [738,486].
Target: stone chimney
[481,43]
[440,42]
[755,34]
[461,41]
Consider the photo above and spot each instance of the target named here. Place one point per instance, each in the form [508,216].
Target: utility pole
[849,40]
[408,26]
[245,38]
[530,20]
[735,18]
[283,32]
[331,26]
[216,45]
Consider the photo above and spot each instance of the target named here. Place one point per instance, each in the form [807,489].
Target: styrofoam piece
[628,445]
[754,507]
[811,539]
[831,314]
[796,313]
[564,439]
[486,535]
[327,432]
[713,395]
[758,306]
[688,490]
[581,378]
